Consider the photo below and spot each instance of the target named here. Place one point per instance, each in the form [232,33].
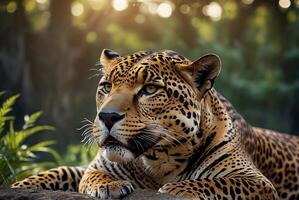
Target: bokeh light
[284,3]
[120,5]
[148,7]
[43,4]
[213,10]
[291,16]
[152,8]
[230,9]
[91,37]
[77,9]
[11,7]
[248,2]
[42,22]
[164,10]
[96,4]
[30,6]
[41,1]
[143,8]
[185,9]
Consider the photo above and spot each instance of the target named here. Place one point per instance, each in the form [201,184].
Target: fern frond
[31,119]
[5,109]
[18,159]
[2,93]
[21,136]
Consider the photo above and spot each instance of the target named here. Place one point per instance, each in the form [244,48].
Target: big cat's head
[149,99]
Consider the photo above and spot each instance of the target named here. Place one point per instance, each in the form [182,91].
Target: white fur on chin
[118,154]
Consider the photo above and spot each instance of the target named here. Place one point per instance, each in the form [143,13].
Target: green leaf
[40,145]
[24,134]
[31,119]
[5,109]
[52,152]
[7,105]
[18,159]
[2,92]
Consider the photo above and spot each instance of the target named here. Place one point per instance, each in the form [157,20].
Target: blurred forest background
[48,48]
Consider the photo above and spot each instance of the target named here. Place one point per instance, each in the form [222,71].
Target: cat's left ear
[203,71]
[107,56]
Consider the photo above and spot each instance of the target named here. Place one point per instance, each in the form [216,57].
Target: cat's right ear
[107,57]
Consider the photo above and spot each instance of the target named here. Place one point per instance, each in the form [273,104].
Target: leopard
[160,124]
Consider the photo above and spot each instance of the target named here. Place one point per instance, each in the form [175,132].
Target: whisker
[171,141]
[148,139]
[88,126]
[136,144]
[95,69]
[140,143]
[89,141]
[166,134]
[94,75]
[87,120]
[87,138]
[98,64]
[88,133]
[87,129]
[84,126]
[99,67]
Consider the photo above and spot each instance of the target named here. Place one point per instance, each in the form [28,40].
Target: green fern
[78,154]
[5,109]
[17,159]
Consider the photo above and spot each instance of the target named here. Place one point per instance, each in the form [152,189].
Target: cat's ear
[107,56]
[203,71]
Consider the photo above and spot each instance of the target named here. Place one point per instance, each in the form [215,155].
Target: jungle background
[48,51]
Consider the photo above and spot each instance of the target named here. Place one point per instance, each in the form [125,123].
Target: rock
[33,194]
[150,195]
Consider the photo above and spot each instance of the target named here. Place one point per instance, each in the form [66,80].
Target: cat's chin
[117,153]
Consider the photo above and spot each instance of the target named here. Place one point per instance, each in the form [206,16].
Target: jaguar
[161,125]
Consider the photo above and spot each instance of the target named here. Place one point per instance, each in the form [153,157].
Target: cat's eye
[105,87]
[150,89]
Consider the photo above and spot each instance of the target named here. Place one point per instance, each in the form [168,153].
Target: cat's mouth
[115,151]
[111,141]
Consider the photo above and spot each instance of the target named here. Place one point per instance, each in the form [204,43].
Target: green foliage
[78,154]
[17,158]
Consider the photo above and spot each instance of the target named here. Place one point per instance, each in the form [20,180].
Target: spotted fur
[161,125]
